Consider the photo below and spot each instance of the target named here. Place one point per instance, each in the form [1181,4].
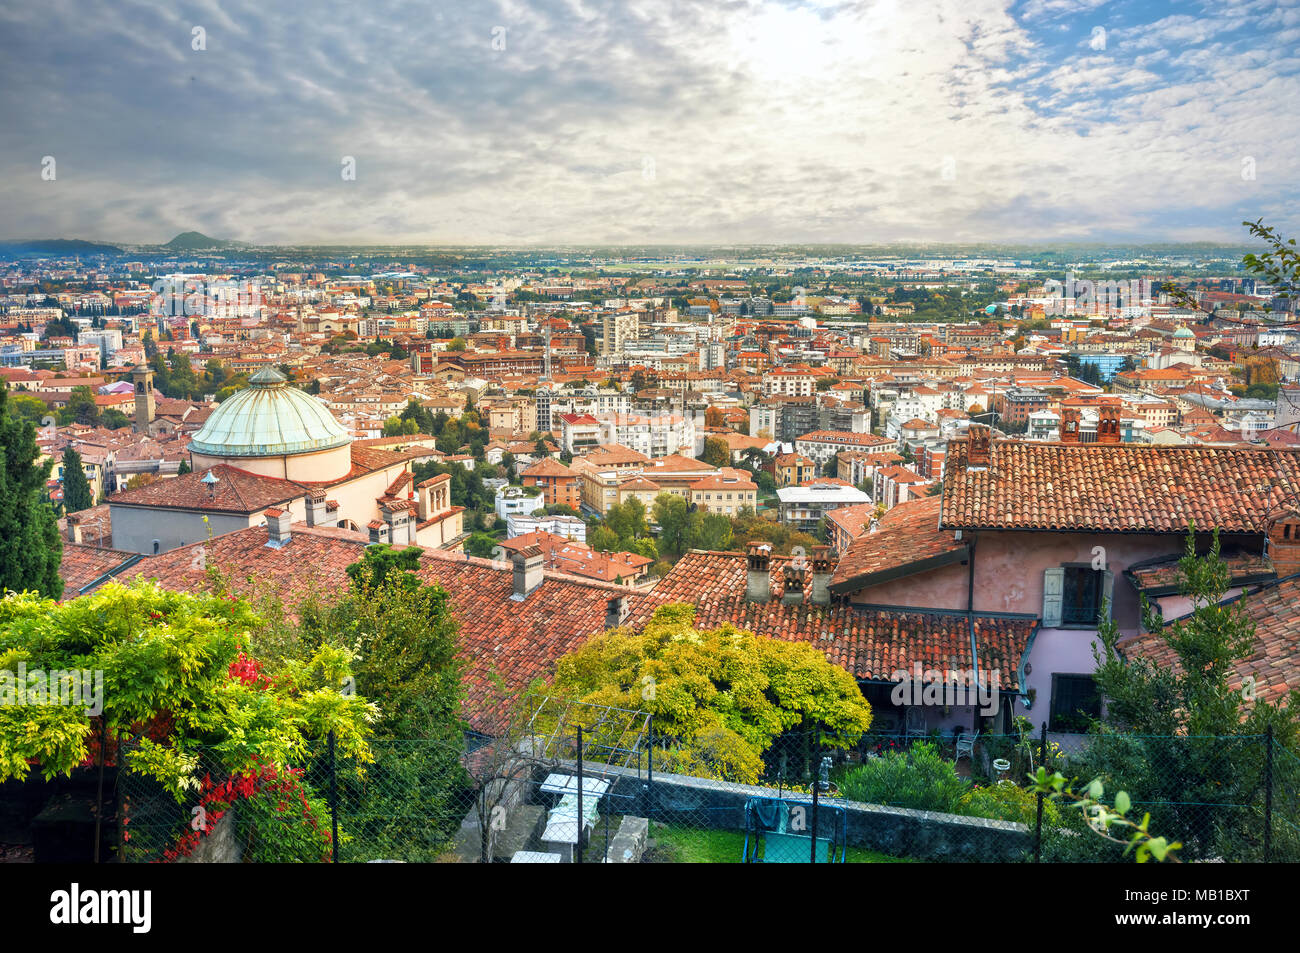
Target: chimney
[758,586]
[277,527]
[823,567]
[528,573]
[796,579]
[616,611]
[979,449]
[1108,424]
[74,528]
[318,509]
[1070,425]
[1284,544]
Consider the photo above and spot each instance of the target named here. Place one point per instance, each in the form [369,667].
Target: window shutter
[1107,595]
[1053,590]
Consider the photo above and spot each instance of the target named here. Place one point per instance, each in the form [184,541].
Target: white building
[516,500]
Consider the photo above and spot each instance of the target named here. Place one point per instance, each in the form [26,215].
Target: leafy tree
[1169,729]
[184,468]
[627,520]
[456,344]
[716,452]
[603,540]
[76,488]
[114,419]
[81,407]
[671,513]
[482,545]
[720,697]
[711,531]
[30,547]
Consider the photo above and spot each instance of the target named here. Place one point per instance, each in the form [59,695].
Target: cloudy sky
[747,121]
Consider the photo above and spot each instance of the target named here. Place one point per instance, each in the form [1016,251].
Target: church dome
[1185,332]
[269,418]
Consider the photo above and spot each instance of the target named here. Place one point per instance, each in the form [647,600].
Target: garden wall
[679,800]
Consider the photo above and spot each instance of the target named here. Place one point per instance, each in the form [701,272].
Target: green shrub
[920,778]
[1007,802]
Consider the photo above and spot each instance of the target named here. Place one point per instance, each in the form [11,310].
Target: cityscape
[498,491]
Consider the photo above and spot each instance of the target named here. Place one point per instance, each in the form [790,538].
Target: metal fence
[572,788]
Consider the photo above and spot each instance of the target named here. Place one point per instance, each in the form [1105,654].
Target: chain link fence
[581,784]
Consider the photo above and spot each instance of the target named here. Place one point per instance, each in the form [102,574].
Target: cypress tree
[30,548]
[76,488]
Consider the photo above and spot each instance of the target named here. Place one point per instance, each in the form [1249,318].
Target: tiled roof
[547,467]
[1275,663]
[872,643]
[81,565]
[237,491]
[1116,487]
[907,535]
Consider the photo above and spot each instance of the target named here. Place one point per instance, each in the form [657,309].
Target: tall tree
[30,547]
[76,488]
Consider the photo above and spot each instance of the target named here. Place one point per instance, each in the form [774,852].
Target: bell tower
[142,377]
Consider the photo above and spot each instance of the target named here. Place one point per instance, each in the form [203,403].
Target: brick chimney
[823,567]
[528,565]
[1070,425]
[1108,423]
[1284,543]
[796,580]
[758,584]
[980,448]
[277,527]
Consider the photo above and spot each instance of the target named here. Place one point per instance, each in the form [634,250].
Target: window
[1075,595]
[1074,701]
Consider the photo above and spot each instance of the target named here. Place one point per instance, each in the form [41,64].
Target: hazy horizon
[687,123]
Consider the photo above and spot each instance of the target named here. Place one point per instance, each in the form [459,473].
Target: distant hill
[190,241]
[57,246]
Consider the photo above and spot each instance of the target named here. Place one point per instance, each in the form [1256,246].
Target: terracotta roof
[237,491]
[547,467]
[1275,663]
[82,565]
[871,642]
[907,538]
[1116,487]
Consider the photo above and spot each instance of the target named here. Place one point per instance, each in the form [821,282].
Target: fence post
[1038,825]
[650,769]
[816,784]
[334,803]
[1268,794]
[577,847]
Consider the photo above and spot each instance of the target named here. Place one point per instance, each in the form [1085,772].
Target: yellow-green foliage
[165,659]
[724,693]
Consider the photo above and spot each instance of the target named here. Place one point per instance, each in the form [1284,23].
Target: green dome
[269,418]
[1184,332]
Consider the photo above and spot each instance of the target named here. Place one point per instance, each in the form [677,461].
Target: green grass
[689,846]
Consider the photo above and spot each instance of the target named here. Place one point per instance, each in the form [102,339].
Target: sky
[648,121]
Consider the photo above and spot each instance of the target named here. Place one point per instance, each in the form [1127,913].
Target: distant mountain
[57,246]
[191,241]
